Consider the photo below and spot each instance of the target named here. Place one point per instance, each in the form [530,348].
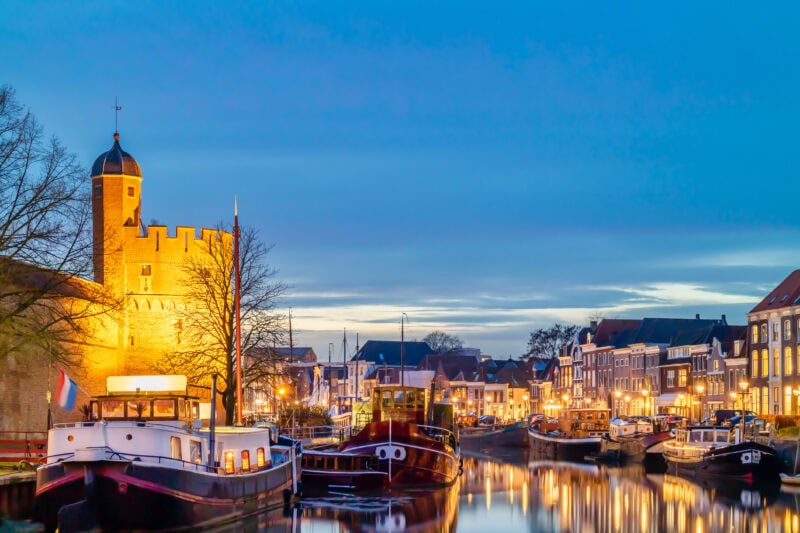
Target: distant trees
[547,343]
[206,325]
[45,240]
[441,342]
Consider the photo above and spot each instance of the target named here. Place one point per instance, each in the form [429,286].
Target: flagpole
[49,394]
[237,302]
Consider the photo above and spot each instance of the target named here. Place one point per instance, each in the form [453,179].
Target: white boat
[143,461]
[579,434]
[789,479]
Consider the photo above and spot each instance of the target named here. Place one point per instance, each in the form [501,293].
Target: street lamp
[699,388]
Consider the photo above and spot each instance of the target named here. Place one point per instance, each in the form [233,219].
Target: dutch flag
[66,391]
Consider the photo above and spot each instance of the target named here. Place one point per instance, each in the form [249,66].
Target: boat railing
[445,436]
[310,433]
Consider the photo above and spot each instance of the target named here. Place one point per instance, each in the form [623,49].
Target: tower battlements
[184,240]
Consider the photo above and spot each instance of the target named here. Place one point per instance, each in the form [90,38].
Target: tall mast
[402,351]
[291,339]
[355,394]
[238,288]
[344,360]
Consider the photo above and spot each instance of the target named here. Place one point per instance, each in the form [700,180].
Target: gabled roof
[665,330]
[609,329]
[388,352]
[786,294]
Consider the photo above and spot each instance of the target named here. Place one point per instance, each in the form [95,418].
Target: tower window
[130,191]
[132,340]
[146,270]
[98,190]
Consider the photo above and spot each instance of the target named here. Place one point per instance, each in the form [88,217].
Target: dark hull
[515,436]
[562,449]
[409,457]
[121,495]
[748,461]
[321,481]
[636,449]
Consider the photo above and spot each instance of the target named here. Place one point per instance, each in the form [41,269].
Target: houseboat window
[695,437]
[138,409]
[175,447]
[94,410]
[411,399]
[708,436]
[164,408]
[260,458]
[399,398]
[229,462]
[113,409]
[245,459]
[319,462]
[196,451]
[386,401]
[329,463]
[182,409]
[722,437]
[195,411]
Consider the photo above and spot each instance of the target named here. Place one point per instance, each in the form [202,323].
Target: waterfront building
[137,267]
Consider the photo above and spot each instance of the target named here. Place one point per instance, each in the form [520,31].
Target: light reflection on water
[514,494]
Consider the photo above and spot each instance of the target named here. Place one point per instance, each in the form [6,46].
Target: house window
[787,330]
[131,340]
[682,376]
[670,378]
[146,270]
[787,361]
[774,331]
[776,362]
[764,332]
[764,363]
[130,191]
[754,330]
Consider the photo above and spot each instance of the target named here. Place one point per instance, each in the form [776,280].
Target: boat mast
[402,351]
[238,288]
[344,369]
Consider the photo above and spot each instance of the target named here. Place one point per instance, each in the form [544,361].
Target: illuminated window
[764,362]
[146,270]
[670,378]
[764,332]
[175,447]
[113,409]
[787,330]
[755,333]
[139,409]
[260,459]
[682,377]
[776,362]
[774,331]
[229,462]
[754,363]
[196,451]
[787,361]
[245,459]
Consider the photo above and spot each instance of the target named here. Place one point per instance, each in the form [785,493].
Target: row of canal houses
[688,367]
[684,366]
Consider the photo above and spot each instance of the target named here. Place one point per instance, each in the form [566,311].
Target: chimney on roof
[724,320]
[697,316]
[593,324]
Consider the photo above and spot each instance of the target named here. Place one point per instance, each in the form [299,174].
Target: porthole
[70,438]
[128,436]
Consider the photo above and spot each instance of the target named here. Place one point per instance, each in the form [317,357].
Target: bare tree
[206,329]
[45,240]
[441,342]
[547,343]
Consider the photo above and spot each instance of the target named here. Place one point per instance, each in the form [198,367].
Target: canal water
[515,493]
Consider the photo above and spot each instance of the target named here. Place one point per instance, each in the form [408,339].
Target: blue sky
[486,169]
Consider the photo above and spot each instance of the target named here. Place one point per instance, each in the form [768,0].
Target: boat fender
[460,466]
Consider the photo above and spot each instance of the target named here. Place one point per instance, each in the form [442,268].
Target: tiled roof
[388,352]
[786,294]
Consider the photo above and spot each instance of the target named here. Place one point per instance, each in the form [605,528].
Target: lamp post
[699,388]
[645,395]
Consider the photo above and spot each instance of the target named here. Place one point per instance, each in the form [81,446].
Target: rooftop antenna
[117,109]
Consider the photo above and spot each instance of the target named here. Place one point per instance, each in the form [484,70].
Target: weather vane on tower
[117,109]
